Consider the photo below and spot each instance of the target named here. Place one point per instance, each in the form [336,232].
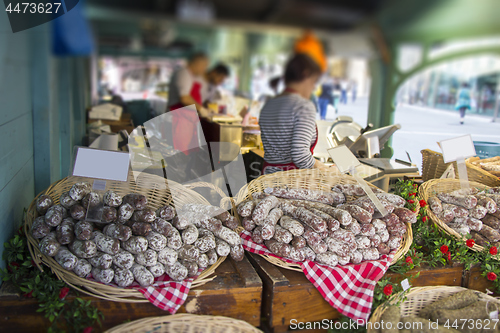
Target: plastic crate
[486,149]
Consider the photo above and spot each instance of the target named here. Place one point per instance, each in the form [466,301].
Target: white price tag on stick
[101,164]
[345,161]
[405,284]
[458,149]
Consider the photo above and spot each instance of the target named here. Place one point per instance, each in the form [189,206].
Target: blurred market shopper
[288,121]
[213,79]
[463,101]
[186,88]
[325,98]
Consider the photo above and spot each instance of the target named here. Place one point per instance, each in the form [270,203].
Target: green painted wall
[42,117]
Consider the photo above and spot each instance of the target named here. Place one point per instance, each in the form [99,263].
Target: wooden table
[236,292]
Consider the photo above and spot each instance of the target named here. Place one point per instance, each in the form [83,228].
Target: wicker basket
[431,188]
[158,193]
[433,167]
[419,297]
[186,323]
[310,179]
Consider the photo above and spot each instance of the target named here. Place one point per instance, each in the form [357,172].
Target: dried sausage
[83,230]
[83,249]
[142,275]
[101,260]
[245,208]
[190,234]
[39,229]
[435,205]
[466,201]
[66,259]
[294,226]
[123,259]
[105,243]
[166,212]
[43,203]
[82,268]
[137,201]
[156,241]
[177,271]
[405,215]
[327,258]
[136,244]
[299,242]
[148,258]
[79,190]
[263,208]
[112,199]
[123,277]
[65,231]
[118,231]
[329,198]
[103,275]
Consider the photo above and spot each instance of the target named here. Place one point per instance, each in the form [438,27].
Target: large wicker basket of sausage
[323,217]
[460,212]
[139,238]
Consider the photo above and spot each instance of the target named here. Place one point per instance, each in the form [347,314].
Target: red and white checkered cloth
[165,294]
[349,288]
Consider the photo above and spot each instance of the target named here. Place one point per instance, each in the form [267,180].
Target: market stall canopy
[332,15]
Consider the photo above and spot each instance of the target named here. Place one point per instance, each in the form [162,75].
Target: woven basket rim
[426,190]
[244,194]
[201,321]
[97,289]
[432,162]
[414,292]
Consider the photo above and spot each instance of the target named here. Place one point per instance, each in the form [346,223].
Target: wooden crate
[236,292]
[475,281]
[437,276]
[288,295]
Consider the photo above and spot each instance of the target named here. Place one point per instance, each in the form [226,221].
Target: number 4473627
[33,8]
[472,324]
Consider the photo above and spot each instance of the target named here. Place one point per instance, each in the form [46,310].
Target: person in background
[185,88]
[354,89]
[288,121]
[343,91]
[325,98]
[463,101]
[213,79]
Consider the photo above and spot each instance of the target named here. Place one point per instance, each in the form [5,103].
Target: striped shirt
[288,129]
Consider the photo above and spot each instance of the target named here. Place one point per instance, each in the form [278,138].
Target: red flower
[448,255]
[412,194]
[411,201]
[88,329]
[415,185]
[29,295]
[64,291]
[493,250]
[443,249]
[388,289]
[422,203]
[470,242]
[425,219]
[409,260]
[491,276]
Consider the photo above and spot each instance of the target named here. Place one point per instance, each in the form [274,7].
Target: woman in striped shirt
[288,121]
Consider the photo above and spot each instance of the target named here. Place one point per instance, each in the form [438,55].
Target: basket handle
[225,199]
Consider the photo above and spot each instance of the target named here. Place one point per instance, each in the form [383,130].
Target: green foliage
[45,287]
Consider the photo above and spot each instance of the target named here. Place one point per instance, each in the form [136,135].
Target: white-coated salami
[167,256]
